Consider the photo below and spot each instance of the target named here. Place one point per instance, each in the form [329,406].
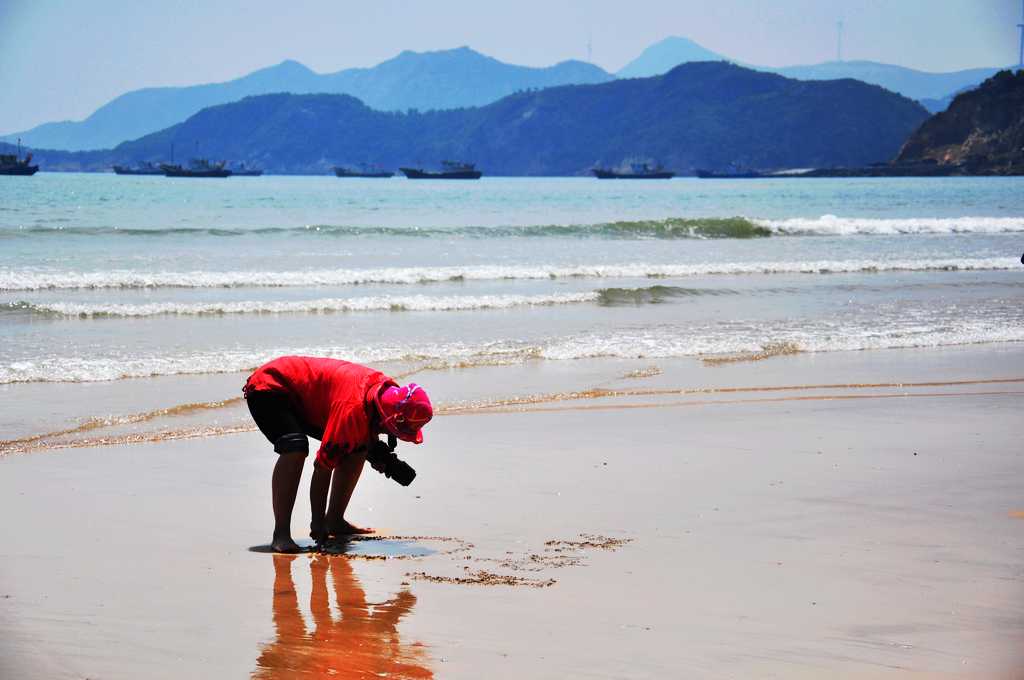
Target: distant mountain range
[699,115]
[428,80]
[141,112]
[446,79]
[933,90]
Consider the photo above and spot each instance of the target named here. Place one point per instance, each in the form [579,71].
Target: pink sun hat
[404,411]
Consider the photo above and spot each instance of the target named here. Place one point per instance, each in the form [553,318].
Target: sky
[61,60]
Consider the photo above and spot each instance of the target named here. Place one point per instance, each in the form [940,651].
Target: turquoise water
[105,277]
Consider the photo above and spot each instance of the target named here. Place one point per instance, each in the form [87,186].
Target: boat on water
[635,171]
[11,164]
[242,171]
[449,170]
[143,168]
[197,167]
[738,174]
[361,171]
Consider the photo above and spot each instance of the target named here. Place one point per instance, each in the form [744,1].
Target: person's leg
[319,487]
[284,488]
[346,475]
[276,419]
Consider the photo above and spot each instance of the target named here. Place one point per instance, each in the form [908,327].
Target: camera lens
[401,472]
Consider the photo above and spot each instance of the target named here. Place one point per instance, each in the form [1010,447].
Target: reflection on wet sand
[363,642]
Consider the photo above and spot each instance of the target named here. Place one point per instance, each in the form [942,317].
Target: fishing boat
[635,171]
[362,171]
[143,168]
[11,164]
[734,174]
[449,170]
[197,167]
[242,171]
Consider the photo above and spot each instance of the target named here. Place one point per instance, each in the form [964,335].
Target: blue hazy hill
[934,90]
[426,80]
[663,56]
[920,85]
[451,79]
[140,112]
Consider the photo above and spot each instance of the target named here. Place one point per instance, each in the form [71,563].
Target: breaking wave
[670,228]
[412,303]
[832,225]
[661,342]
[653,295]
[605,297]
[34,279]
[667,228]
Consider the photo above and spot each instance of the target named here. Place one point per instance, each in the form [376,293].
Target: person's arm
[318,488]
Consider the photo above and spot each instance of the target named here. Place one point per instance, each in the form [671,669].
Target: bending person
[344,405]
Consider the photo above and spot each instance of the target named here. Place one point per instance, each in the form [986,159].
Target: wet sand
[865,521]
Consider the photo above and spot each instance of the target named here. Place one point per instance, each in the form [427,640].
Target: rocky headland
[981,133]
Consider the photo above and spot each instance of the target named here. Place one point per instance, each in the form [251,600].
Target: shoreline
[98,413]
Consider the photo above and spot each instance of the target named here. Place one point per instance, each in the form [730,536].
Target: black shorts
[276,417]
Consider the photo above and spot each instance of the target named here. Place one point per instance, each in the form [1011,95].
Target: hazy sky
[63,59]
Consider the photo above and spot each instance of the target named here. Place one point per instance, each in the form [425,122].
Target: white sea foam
[412,303]
[664,344]
[91,368]
[34,279]
[832,225]
[661,342]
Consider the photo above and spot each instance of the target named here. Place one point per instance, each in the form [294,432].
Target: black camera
[383,459]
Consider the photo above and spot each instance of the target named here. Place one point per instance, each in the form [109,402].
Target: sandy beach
[853,514]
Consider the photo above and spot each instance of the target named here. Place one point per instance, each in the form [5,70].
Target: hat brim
[416,438]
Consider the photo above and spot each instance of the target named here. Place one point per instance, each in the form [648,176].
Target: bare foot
[346,529]
[318,532]
[285,544]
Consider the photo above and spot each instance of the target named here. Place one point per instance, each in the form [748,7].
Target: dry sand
[865,522]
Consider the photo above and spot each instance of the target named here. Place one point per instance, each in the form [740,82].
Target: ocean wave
[412,303]
[91,368]
[899,332]
[661,342]
[653,295]
[669,228]
[641,229]
[35,279]
[832,225]
[606,297]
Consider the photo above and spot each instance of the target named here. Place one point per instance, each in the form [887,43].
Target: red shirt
[329,395]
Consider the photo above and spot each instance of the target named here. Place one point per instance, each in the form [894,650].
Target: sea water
[105,277]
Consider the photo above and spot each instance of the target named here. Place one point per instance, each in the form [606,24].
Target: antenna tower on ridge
[1020,57]
[839,40]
